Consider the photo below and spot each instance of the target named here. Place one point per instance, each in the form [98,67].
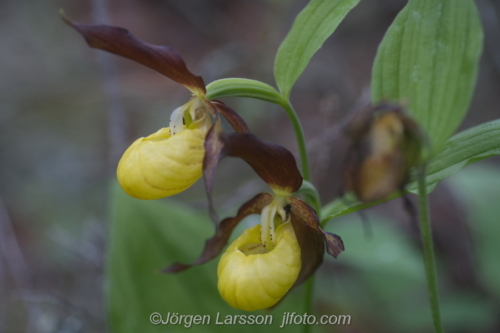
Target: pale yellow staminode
[253,278]
[164,164]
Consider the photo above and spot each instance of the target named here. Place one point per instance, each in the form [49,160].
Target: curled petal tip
[175,268]
[63,16]
[334,244]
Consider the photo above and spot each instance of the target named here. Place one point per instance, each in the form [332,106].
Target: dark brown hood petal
[163,59]
[232,117]
[214,245]
[273,163]
[311,238]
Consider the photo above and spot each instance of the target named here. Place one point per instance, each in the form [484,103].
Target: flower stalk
[313,200]
[301,141]
[428,247]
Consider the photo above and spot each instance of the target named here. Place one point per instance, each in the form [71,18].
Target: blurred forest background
[68,112]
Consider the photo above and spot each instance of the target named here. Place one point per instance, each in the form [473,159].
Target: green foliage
[429,59]
[147,236]
[465,148]
[317,21]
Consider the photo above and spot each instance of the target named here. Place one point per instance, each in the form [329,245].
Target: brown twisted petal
[162,59]
[214,148]
[311,238]
[232,117]
[213,153]
[214,245]
[312,247]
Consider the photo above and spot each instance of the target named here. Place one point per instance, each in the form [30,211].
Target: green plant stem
[311,200]
[301,141]
[309,285]
[428,246]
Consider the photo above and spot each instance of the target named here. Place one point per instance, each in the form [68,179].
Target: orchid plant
[423,78]
[261,266]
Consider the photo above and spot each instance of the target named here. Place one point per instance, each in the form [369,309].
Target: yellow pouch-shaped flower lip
[162,165]
[250,278]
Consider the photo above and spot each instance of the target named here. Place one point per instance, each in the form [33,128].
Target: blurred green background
[74,249]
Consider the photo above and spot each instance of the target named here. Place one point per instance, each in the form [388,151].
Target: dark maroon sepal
[162,59]
[273,163]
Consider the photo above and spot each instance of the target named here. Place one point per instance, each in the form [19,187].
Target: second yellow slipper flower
[251,277]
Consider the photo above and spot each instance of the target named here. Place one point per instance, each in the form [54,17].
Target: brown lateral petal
[273,163]
[214,245]
[312,247]
[334,244]
[163,59]
[232,117]
[213,153]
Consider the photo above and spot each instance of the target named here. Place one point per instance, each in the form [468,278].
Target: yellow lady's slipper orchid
[170,160]
[252,277]
[260,267]
[266,261]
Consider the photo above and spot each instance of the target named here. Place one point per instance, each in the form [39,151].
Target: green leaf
[463,149]
[234,87]
[429,59]
[315,23]
[348,205]
[147,236]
